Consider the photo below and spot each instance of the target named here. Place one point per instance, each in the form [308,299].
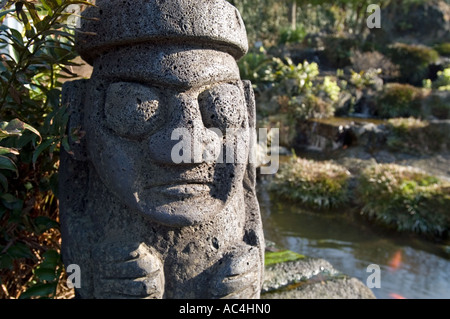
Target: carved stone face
[139,97]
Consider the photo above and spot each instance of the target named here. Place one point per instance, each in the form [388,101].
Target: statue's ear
[250,176]
[73,98]
[251,105]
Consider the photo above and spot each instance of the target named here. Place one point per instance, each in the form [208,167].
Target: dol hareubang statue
[138,224]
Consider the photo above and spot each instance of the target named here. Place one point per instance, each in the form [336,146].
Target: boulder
[310,278]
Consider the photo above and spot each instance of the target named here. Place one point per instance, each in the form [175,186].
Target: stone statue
[138,223]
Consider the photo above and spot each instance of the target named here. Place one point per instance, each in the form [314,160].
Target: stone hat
[208,23]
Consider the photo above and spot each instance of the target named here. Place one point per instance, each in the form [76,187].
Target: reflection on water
[410,267]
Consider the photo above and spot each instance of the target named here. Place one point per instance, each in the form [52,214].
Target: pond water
[410,267]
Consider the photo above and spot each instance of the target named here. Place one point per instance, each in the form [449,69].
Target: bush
[413,61]
[31,135]
[399,100]
[320,185]
[308,107]
[301,94]
[339,50]
[437,104]
[292,36]
[406,200]
[257,67]
[443,49]
[414,136]
[442,83]
[366,79]
[374,60]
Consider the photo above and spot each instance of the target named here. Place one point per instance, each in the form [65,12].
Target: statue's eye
[131,109]
[223,107]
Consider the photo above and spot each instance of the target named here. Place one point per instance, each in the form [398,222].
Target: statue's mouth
[183,189]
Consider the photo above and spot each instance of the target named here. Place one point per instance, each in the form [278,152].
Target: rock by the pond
[310,278]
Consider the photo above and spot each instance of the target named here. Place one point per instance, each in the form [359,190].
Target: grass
[401,198]
[405,199]
[320,185]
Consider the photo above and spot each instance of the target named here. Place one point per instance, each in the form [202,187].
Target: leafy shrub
[442,83]
[339,50]
[405,199]
[33,64]
[374,60]
[330,88]
[292,36]
[314,184]
[399,100]
[257,67]
[413,61]
[294,79]
[443,48]
[417,136]
[308,107]
[414,136]
[437,104]
[363,79]
[301,93]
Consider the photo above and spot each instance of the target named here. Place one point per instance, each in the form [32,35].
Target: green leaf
[15,54]
[51,259]
[39,290]
[8,164]
[26,23]
[16,126]
[8,198]
[19,250]
[33,12]
[47,7]
[53,97]
[11,202]
[65,143]
[6,262]
[42,147]
[82,2]
[44,223]
[48,274]
[4,183]
[3,13]
[8,150]
[17,37]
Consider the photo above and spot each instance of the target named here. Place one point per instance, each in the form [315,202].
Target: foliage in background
[269,20]
[442,82]
[405,199]
[364,79]
[320,185]
[443,48]
[339,50]
[399,100]
[36,57]
[301,93]
[258,67]
[413,60]
[414,136]
[289,35]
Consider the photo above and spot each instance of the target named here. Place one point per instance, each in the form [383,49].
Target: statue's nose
[184,139]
